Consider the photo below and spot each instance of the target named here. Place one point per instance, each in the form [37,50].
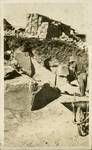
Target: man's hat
[72,59]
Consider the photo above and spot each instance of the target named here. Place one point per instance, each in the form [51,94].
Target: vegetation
[58,50]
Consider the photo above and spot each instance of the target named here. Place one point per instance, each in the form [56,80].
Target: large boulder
[17,93]
[42,74]
[17,96]
[17,101]
[45,27]
[24,62]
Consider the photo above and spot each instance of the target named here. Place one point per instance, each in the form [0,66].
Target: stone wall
[44,27]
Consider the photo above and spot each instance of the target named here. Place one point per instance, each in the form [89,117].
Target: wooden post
[55,78]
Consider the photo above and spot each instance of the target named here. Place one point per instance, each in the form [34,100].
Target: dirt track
[49,126]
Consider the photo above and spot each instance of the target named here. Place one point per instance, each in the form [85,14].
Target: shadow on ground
[11,75]
[83,104]
[44,96]
[67,93]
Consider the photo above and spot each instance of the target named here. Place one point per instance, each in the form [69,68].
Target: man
[72,68]
[77,71]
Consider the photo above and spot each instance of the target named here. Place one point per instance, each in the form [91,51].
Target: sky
[73,14]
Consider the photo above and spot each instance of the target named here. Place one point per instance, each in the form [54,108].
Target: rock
[17,101]
[62,70]
[24,62]
[42,74]
[8,69]
[42,31]
[17,95]
[10,73]
[7,25]
[8,28]
[44,27]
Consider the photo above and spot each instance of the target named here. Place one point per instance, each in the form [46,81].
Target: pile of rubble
[59,50]
[59,44]
[47,37]
[42,27]
[45,28]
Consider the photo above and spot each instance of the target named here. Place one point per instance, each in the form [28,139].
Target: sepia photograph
[46,76]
